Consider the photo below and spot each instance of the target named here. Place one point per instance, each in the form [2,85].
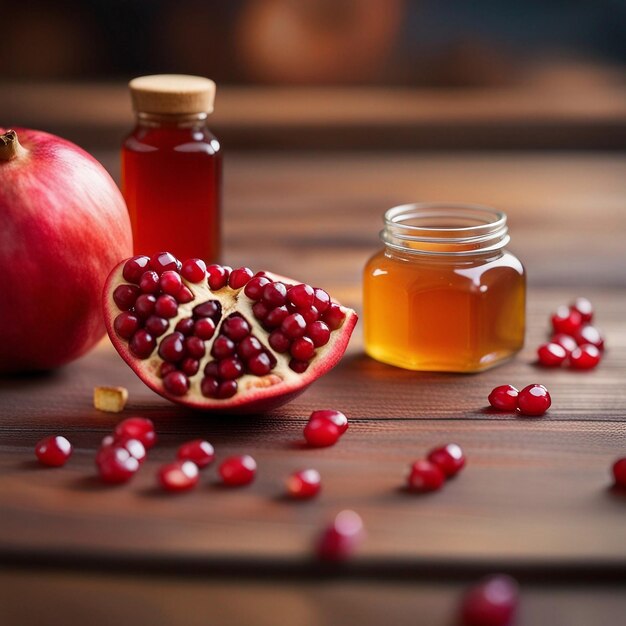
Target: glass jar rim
[446,228]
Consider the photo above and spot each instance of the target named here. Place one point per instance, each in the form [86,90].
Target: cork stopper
[173,94]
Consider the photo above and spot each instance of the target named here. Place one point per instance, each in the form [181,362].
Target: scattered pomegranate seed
[199,451]
[239,277]
[116,464]
[134,268]
[304,484]
[585,357]
[178,476]
[321,432]
[449,459]
[336,417]
[504,398]
[238,470]
[425,476]
[125,296]
[567,342]
[53,451]
[149,282]
[533,400]
[619,472]
[340,540]
[584,307]
[194,270]
[591,335]
[566,320]
[551,354]
[493,602]
[133,446]
[140,428]
[164,261]
[126,324]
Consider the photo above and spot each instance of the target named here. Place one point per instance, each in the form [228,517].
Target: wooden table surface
[535,499]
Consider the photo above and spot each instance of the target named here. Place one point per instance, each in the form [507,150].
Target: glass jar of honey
[172,168]
[444,294]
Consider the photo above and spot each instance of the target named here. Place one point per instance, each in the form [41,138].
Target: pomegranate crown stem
[10,147]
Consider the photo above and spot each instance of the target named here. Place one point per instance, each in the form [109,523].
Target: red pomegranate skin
[63,226]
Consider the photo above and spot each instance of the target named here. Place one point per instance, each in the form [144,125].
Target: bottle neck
[437,230]
[173,121]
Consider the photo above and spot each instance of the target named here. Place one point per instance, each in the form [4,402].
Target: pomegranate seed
[260,310]
[279,341]
[184,295]
[217,276]
[584,307]
[134,268]
[239,277]
[449,459]
[254,289]
[125,296]
[425,476]
[319,333]
[176,383]
[293,326]
[321,432]
[194,270]
[304,484]
[299,367]
[227,389]
[149,282]
[199,451]
[116,464]
[166,368]
[276,317]
[210,369]
[310,315]
[190,366]
[493,602]
[140,428]
[302,349]
[235,327]
[178,476]
[238,470]
[301,296]
[230,368]
[567,342]
[334,316]
[250,346]
[533,400]
[619,472]
[566,320]
[222,347]
[551,354]
[591,335]
[340,540]
[185,326]
[53,451]
[584,357]
[156,326]
[172,348]
[211,309]
[336,417]
[274,294]
[504,398]
[142,344]
[126,324]
[134,447]
[194,347]
[144,307]
[259,365]
[166,306]
[165,261]
[321,300]
[204,328]
[209,387]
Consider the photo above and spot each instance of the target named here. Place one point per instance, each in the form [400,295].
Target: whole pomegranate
[63,225]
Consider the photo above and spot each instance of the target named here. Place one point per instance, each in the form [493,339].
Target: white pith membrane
[280,381]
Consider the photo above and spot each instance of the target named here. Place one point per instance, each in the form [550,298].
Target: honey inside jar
[444,294]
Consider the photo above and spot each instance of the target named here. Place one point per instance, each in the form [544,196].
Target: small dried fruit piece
[493,602]
[533,400]
[449,459]
[110,399]
[238,470]
[504,398]
[619,472]
[178,476]
[199,451]
[341,538]
[53,451]
[425,476]
[304,484]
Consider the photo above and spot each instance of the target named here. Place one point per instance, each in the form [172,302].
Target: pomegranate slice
[245,343]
